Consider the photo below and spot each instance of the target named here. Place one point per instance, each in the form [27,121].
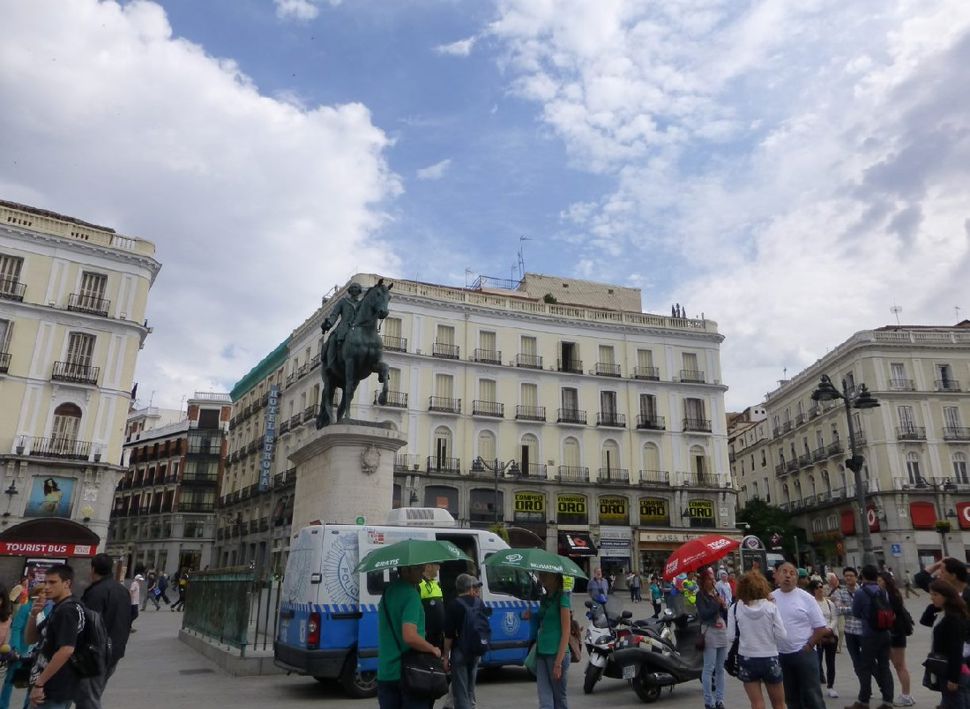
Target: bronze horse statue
[360,355]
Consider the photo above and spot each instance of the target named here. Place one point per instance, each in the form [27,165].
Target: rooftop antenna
[896,310]
[151,398]
[956,309]
[468,274]
[521,262]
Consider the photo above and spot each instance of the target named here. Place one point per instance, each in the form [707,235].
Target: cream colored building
[607,424]
[916,446]
[72,320]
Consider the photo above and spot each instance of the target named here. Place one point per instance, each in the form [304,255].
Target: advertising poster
[50,497]
[35,570]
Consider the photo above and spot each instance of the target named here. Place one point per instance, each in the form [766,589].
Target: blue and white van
[327,626]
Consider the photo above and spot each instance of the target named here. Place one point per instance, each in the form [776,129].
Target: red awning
[963,514]
[848,522]
[923,515]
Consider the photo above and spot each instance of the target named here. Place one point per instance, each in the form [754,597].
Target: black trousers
[874,663]
[828,654]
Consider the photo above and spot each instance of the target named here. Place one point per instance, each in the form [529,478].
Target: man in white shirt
[805,624]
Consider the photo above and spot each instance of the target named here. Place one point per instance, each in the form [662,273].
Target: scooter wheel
[647,692]
[593,674]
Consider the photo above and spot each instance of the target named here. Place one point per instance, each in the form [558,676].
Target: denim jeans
[874,662]
[802,682]
[463,671]
[959,699]
[390,695]
[552,694]
[90,689]
[713,665]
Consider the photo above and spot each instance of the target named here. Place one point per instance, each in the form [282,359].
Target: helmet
[355,288]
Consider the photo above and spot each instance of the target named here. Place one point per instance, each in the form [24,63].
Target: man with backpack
[53,680]
[872,607]
[467,634]
[109,598]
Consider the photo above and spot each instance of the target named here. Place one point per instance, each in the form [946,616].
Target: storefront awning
[576,544]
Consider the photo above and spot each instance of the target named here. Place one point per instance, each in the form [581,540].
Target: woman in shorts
[755,619]
[902,628]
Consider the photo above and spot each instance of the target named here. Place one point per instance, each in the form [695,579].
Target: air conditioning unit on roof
[420,517]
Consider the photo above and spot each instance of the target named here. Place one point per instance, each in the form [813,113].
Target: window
[819,440]
[92,288]
[528,345]
[850,381]
[392,327]
[487,390]
[945,375]
[529,454]
[960,469]
[698,463]
[529,395]
[393,380]
[608,404]
[444,386]
[569,357]
[6,330]
[645,359]
[907,421]
[606,354]
[951,414]
[442,447]
[486,446]
[80,349]
[690,361]
[610,458]
[512,582]
[897,373]
[913,470]
[570,452]
[445,335]
[651,457]
[10,274]
[486,341]
[67,423]
[694,410]
[648,406]
[570,399]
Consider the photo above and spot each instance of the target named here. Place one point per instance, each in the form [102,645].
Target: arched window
[442,454]
[610,456]
[960,469]
[486,446]
[787,494]
[811,484]
[754,490]
[698,464]
[529,455]
[570,453]
[651,461]
[65,429]
[913,473]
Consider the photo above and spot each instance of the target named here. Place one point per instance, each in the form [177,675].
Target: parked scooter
[612,644]
[680,662]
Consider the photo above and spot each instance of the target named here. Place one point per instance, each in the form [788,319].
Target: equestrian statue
[354,350]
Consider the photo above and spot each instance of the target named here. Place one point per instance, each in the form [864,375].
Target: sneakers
[832,693]
[904,700]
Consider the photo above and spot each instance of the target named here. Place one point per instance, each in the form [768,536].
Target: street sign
[360,521]
[896,549]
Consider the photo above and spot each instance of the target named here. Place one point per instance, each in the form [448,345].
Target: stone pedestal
[345,473]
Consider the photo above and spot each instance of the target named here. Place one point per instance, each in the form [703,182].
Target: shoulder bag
[732,663]
[934,677]
[422,674]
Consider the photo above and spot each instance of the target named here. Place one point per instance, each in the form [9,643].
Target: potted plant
[943,526]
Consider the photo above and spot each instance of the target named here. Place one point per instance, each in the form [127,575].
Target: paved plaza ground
[160,668]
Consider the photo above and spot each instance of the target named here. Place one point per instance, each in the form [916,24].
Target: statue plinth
[345,473]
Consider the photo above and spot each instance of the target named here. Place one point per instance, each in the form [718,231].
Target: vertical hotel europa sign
[269,438]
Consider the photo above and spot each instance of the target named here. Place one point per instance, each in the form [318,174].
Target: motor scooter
[669,662]
[611,645]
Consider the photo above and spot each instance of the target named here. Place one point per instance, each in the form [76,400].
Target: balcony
[530,413]
[84,303]
[901,385]
[199,479]
[444,466]
[445,351]
[692,376]
[314,363]
[310,412]
[572,366]
[776,431]
[4,362]
[654,477]
[792,465]
[956,433]
[835,448]
[614,476]
[819,454]
[529,361]
[396,399]
[814,411]
[479,470]
[611,419]
[780,469]
[577,416]
[786,426]
[700,425]
[651,422]
[607,369]
[442,405]
[947,385]
[534,470]
[11,289]
[860,438]
[800,419]
[395,344]
[573,473]
[75,373]
[64,448]
[284,426]
[699,479]
[648,373]
[910,433]
[488,408]
[805,460]
[487,356]
[294,420]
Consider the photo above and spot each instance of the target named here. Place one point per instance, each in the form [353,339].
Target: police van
[327,624]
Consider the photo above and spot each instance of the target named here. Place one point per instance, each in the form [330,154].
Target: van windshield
[512,582]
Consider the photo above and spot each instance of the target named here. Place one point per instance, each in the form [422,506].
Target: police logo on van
[511,624]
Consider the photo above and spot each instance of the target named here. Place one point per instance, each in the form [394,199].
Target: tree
[764,520]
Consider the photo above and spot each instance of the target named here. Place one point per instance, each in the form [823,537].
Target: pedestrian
[755,620]
[805,626]
[400,627]
[151,579]
[902,628]
[656,594]
[612,580]
[712,612]
[831,592]
[552,641]
[461,658]
[874,658]
[633,581]
[948,641]
[733,583]
[951,570]
[723,588]
[598,588]
[163,582]
[20,612]
[852,630]
[109,598]
[908,584]
[433,602]
[53,682]
[135,590]
[826,648]
[689,591]
[182,583]
[6,621]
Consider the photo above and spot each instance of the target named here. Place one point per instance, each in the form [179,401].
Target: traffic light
[855,463]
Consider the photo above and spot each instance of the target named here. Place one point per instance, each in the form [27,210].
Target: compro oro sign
[654,512]
[614,510]
[701,513]
[571,509]
[529,507]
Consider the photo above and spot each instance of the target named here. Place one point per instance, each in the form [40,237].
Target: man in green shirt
[400,627]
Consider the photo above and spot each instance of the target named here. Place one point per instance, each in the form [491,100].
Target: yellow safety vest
[430,590]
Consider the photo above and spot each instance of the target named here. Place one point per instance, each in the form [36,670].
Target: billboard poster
[50,497]
[35,570]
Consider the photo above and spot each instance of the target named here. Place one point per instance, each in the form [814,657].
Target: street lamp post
[860,400]
[496,467]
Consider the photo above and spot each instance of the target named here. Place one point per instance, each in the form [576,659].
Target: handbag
[830,639]
[530,660]
[422,674]
[701,641]
[732,663]
[934,677]
[575,642]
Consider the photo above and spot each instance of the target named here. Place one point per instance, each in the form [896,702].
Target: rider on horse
[346,311]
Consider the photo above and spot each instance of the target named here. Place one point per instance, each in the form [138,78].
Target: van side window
[378,580]
[512,582]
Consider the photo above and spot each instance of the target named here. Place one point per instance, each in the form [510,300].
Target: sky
[789,170]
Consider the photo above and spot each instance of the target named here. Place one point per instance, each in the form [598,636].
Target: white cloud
[257,205]
[461,48]
[299,10]
[805,163]
[434,172]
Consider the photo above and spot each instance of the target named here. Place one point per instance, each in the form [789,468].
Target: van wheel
[357,685]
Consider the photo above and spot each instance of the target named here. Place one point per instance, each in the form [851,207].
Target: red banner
[963,514]
[46,549]
[848,522]
[873,518]
[923,515]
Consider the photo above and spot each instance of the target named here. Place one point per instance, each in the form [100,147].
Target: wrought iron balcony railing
[84,303]
[702,425]
[75,372]
[529,361]
[571,416]
[956,433]
[12,290]
[902,385]
[488,408]
[654,477]
[56,447]
[534,470]
[450,466]
[911,433]
[4,362]
[611,419]
[487,356]
[947,385]
[397,399]
[607,369]
[573,366]
[395,344]
[444,405]
[693,376]
[651,422]
[573,473]
[613,475]
[530,413]
[650,373]
[440,349]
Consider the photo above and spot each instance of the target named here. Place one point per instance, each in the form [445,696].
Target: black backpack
[475,633]
[93,650]
[881,613]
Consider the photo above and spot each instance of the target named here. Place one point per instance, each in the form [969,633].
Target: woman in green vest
[552,641]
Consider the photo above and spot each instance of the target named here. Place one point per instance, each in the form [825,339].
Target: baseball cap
[802,573]
[465,582]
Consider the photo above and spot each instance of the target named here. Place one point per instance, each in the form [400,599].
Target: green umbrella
[537,560]
[410,552]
